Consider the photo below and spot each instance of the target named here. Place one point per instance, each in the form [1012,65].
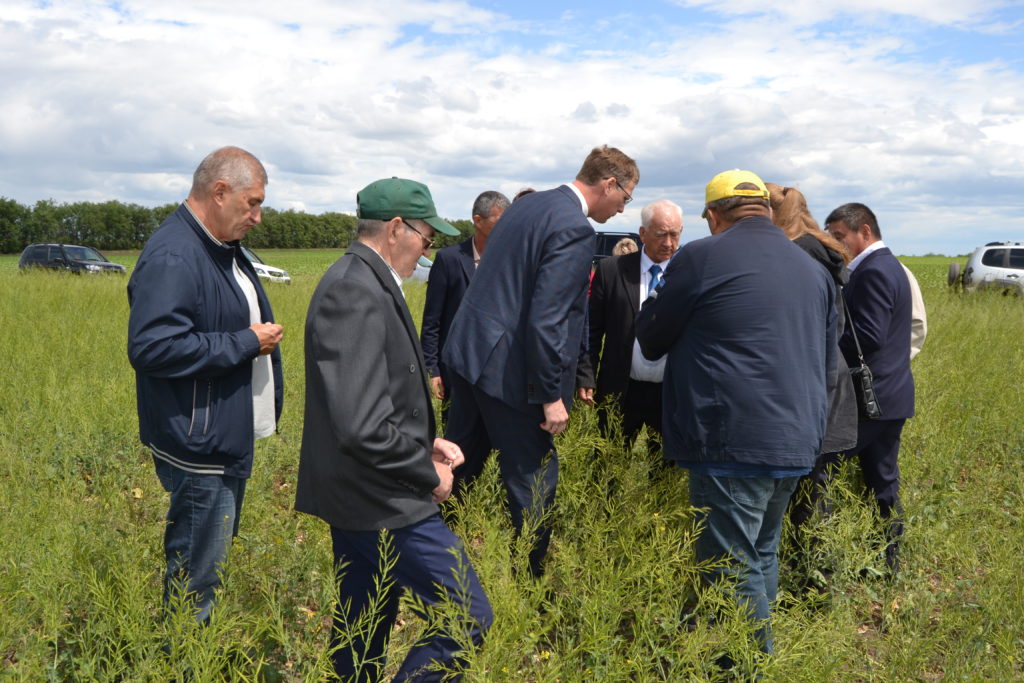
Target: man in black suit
[620,285]
[453,268]
[878,296]
[369,460]
[516,338]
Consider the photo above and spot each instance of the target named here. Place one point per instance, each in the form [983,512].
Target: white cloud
[96,104]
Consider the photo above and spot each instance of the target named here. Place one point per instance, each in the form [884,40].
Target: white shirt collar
[394,273]
[874,246]
[646,262]
[583,201]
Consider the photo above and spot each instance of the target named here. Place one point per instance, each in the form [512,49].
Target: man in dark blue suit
[515,340]
[453,268]
[879,299]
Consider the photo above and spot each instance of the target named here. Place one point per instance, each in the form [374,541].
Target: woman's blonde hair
[790,212]
[624,246]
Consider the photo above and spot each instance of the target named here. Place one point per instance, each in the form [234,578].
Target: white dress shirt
[640,368]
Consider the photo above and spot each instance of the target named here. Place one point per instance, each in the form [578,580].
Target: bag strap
[853,331]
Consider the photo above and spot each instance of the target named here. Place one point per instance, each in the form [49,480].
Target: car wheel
[953,279]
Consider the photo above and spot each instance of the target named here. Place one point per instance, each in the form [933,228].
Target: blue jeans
[743,522]
[201,521]
[423,561]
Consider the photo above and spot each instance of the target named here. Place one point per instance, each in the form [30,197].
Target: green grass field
[81,520]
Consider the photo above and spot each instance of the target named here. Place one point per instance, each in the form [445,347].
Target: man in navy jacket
[879,298]
[516,338]
[453,268]
[204,345]
[748,323]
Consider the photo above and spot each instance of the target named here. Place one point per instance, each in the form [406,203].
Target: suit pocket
[202,399]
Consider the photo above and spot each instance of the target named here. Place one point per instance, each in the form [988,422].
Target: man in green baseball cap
[370,459]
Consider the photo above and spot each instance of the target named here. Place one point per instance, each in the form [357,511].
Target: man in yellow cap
[748,323]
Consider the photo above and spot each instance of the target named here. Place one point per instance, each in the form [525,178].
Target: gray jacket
[369,425]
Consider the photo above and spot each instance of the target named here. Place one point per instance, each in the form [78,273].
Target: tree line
[115,225]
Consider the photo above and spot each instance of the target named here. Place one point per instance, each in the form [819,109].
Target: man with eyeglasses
[613,363]
[370,461]
[515,340]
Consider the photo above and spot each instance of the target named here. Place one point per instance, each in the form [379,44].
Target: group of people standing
[731,351]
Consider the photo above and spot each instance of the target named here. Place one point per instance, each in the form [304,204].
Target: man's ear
[392,228]
[219,191]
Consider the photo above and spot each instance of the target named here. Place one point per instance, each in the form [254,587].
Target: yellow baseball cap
[726,184]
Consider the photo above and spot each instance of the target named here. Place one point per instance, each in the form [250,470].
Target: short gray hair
[647,214]
[236,167]
[486,202]
[369,227]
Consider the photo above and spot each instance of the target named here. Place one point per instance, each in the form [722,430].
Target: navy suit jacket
[518,332]
[449,278]
[879,300]
[614,303]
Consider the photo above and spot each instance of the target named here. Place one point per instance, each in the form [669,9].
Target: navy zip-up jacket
[190,344]
[748,323]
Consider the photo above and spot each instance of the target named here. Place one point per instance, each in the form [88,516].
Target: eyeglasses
[429,242]
[629,197]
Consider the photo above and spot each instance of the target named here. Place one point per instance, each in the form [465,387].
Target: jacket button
[412,367]
[415,412]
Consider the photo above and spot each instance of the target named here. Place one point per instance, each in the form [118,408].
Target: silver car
[263,270]
[997,265]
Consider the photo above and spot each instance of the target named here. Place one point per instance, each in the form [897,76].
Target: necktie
[655,282]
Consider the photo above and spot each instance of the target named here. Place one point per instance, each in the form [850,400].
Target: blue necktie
[656,280]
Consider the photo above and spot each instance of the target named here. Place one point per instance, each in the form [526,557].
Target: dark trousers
[465,426]
[877,450]
[640,405]
[527,459]
[421,559]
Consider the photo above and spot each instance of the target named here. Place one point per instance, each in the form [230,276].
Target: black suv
[67,257]
[606,241]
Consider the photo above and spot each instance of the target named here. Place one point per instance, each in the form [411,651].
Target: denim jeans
[743,523]
[427,558]
[201,521]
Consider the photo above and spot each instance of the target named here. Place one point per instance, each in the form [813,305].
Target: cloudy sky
[914,107]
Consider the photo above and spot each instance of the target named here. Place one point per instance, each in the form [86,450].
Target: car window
[38,253]
[995,257]
[54,252]
[1017,258]
[83,254]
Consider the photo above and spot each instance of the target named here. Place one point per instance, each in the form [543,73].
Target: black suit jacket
[879,300]
[517,334]
[614,303]
[449,278]
[369,426]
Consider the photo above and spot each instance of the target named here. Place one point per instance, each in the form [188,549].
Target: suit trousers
[526,458]
[877,450]
[421,558]
[465,426]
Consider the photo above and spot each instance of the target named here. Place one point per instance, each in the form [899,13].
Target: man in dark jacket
[453,268]
[204,345]
[748,323]
[370,460]
[880,303]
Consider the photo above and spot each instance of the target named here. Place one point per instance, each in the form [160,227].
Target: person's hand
[437,387]
[555,417]
[586,394]
[269,334]
[444,489]
[447,452]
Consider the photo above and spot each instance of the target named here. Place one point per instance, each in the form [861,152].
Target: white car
[263,270]
[997,265]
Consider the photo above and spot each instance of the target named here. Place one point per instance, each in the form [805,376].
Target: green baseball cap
[389,198]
